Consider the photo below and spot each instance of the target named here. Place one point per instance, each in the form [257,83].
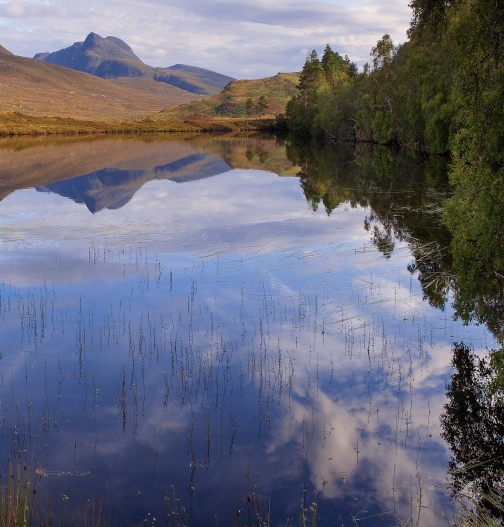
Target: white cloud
[243,39]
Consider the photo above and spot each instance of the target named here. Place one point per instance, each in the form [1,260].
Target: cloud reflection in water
[222,337]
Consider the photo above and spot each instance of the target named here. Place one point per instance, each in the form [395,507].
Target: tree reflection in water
[458,257]
[473,427]
[456,242]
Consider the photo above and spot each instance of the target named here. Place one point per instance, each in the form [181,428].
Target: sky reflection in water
[217,339]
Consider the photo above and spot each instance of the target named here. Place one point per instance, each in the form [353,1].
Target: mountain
[38,88]
[112,58]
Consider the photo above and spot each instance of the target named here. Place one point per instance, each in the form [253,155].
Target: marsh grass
[20,124]
[308,515]
[18,490]
[474,514]
[20,505]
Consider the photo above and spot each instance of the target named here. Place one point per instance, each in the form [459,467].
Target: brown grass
[37,88]
[39,98]
[231,102]
[18,123]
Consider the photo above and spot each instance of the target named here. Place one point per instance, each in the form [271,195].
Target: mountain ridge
[112,58]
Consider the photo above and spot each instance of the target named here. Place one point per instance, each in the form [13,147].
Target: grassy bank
[19,124]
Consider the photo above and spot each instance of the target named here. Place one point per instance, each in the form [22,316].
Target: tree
[311,76]
[383,53]
[302,108]
[262,104]
[429,15]
[382,124]
[334,67]
[249,106]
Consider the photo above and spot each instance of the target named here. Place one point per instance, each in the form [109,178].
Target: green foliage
[321,107]
[442,82]
[496,385]
[249,105]
[262,104]
[301,109]
[405,96]
[383,53]
[382,127]
[440,92]
[429,15]
[475,213]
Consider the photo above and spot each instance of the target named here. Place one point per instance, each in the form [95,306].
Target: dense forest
[429,93]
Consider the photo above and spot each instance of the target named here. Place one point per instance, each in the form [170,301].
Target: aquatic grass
[276,349]
[97,516]
[308,515]
[17,495]
[473,514]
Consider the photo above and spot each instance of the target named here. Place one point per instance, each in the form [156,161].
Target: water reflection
[222,350]
[111,188]
[473,427]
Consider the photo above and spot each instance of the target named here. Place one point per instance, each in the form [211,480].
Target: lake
[206,331]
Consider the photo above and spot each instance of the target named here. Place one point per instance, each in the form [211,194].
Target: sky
[245,39]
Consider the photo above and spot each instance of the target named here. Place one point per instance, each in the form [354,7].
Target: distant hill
[112,58]
[241,98]
[4,51]
[39,88]
[38,97]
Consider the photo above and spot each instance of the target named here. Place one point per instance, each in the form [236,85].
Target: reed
[18,491]
[472,512]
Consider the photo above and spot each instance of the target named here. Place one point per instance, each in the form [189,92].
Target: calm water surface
[184,339]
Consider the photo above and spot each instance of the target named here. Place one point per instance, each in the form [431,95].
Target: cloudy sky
[240,38]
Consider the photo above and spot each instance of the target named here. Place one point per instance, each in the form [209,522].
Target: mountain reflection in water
[227,351]
[111,188]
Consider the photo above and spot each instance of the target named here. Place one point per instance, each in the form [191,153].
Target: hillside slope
[241,98]
[111,58]
[39,88]
[4,51]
